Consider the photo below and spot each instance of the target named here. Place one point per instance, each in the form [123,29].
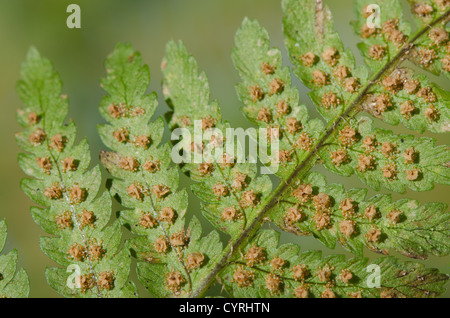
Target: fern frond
[13,284]
[172,259]
[258,65]
[72,213]
[331,213]
[265,269]
[230,188]
[400,96]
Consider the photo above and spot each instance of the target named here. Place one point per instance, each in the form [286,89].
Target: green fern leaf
[230,189]
[260,68]
[172,259]
[331,213]
[265,84]
[432,49]
[319,57]
[62,183]
[13,284]
[265,269]
[380,158]
[400,96]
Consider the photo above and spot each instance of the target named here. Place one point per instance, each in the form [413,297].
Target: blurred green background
[207,28]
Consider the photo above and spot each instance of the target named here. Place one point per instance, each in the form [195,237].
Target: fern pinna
[72,213]
[174,258]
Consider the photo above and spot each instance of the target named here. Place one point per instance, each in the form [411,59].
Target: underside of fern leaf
[268,270]
[303,203]
[13,284]
[72,212]
[172,258]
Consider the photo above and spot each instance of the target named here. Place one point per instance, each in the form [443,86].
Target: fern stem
[308,161]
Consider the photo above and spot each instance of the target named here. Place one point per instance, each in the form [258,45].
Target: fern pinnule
[381,158]
[319,57]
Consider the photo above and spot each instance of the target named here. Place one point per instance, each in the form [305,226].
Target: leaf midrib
[307,159]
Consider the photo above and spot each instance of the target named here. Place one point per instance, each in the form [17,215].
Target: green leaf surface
[432,50]
[319,57]
[266,270]
[381,158]
[148,185]
[348,217]
[260,67]
[73,213]
[381,39]
[231,191]
[13,284]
